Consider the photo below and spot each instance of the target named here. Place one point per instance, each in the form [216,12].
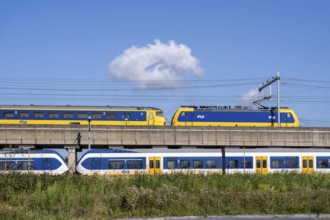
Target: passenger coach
[79,115]
[204,161]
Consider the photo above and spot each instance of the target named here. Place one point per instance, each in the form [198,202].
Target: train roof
[207,150]
[78,107]
[27,151]
[231,108]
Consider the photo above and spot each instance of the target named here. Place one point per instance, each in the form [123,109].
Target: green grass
[104,197]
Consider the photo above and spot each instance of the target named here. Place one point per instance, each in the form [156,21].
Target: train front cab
[156,117]
[154,165]
[262,164]
[307,164]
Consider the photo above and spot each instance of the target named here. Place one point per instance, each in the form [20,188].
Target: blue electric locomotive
[233,116]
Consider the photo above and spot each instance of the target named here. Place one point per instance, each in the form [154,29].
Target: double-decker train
[168,161]
[203,161]
[147,116]
[36,162]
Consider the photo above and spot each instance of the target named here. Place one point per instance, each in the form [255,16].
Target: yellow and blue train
[79,115]
[233,116]
[147,116]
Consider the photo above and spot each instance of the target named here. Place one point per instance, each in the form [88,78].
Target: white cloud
[248,98]
[156,65]
[254,95]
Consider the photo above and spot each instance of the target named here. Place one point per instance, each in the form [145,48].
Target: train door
[126,116]
[308,164]
[262,165]
[151,120]
[154,165]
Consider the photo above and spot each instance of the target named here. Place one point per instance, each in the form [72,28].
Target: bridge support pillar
[223,153]
[72,157]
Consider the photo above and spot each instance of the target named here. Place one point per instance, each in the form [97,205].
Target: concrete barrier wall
[165,136]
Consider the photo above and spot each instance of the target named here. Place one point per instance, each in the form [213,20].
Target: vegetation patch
[98,197]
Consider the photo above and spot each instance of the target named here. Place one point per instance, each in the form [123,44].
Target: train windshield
[160,113]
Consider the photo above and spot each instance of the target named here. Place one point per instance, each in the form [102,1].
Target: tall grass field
[105,197]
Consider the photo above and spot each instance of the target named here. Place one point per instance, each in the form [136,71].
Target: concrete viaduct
[129,136]
[74,137]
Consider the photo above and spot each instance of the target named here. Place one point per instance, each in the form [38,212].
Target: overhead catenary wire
[218,91]
[59,87]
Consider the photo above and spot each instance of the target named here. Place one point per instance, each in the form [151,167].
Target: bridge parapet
[165,136]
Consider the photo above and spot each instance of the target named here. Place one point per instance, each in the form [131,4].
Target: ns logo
[271,117]
[200,116]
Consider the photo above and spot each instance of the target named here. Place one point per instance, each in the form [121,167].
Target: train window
[151,164]
[277,163]
[126,116]
[211,164]
[159,113]
[304,163]
[310,163]
[288,115]
[67,115]
[183,114]
[157,164]
[233,164]
[82,115]
[23,115]
[134,164]
[96,115]
[116,164]
[7,165]
[111,115]
[171,164]
[8,115]
[322,163]
[198,164]
[264,163]
[151,116]
[246,164]
[53,115]
[38,115]
[2,165]
[292,163]
[185,164]
[258,164]
[24,165]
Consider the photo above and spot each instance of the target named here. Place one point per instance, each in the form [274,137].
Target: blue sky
[166,53]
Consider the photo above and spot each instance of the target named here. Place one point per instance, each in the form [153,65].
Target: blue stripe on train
[118,115]
[47,163]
